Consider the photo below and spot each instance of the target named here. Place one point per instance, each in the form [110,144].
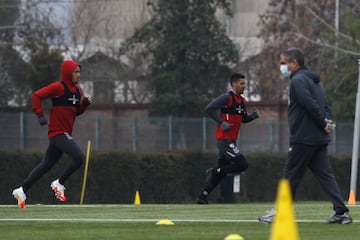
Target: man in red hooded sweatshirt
[67,103]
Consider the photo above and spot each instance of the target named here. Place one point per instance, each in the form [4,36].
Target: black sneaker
[340,218]
[202,200]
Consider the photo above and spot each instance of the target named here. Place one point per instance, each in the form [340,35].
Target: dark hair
[235,77]
[295,53]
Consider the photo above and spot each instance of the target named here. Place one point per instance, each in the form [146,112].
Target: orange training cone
[284,225]
[352,200]
[137,198]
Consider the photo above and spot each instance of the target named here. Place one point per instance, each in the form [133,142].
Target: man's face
[76,75]
[292,65]
[239,86]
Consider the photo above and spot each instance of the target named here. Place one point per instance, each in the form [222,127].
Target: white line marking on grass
[353,205]
[139,220]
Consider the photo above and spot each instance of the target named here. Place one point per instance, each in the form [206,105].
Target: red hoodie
[67,101]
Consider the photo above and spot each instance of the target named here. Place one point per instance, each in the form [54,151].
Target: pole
[204,133]
[170,133]
[22,131]
[85,172]
[134,133]
[355,152]
[336,26]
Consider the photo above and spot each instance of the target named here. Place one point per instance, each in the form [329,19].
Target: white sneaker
[20,196]
[59,190]
[268,217]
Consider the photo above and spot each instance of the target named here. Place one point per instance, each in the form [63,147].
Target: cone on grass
[233,236]
[352,200]
[284,225]
[137,200]
[165,222]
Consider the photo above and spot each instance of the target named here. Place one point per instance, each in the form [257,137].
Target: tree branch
[331,27]
[319,42]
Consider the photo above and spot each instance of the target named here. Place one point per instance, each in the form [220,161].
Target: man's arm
[84,102]
[328,111]
[248,118]
[216,104]
[51,90]
[306,99]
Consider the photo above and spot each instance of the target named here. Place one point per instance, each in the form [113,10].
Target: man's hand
[255,113]
[330,125]
[225,126]
[87,101]
[42,120]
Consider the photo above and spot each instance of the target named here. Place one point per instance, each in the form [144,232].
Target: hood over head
[67,68]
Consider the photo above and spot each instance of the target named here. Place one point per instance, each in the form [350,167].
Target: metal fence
[20,130]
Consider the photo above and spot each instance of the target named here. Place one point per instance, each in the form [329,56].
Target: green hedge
[174,177]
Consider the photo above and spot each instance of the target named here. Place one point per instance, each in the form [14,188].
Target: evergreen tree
[28,52]
[188,52]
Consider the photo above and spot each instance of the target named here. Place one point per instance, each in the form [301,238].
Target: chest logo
[74,100]
[239,109]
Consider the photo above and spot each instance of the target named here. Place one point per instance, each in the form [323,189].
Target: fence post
[21,131]
[204,133]
[271,135]
[97,132]
[170,133]
[134,138]
[334,140]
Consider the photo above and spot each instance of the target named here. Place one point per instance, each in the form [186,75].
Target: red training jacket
[62,117]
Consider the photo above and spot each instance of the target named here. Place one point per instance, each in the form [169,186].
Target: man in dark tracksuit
[68,102]
[309,117]
[233,113]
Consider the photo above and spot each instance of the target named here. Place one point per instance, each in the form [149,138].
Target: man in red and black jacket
[67,103]
[233,112]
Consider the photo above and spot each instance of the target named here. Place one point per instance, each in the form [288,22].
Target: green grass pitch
[197,222]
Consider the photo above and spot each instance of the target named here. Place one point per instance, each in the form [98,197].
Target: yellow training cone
[233,237]
[137,198]
[165,222]
[284,225]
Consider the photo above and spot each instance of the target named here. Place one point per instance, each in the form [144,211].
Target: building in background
[99,27]
[104,26]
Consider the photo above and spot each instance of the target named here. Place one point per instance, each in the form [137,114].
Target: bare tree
[310,25]
[98,27]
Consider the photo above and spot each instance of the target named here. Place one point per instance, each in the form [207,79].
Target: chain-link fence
[20,130]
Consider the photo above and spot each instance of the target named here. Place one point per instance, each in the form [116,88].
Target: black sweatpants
[58,145]
[301,157]
[230,161]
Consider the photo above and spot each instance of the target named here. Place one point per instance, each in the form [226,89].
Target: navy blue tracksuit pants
[314,157]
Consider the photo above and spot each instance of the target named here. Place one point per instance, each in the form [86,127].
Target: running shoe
[340,218]
[202,199]
[59,190]
[20,196]
[268,217]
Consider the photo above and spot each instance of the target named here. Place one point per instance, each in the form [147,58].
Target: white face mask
[285,70]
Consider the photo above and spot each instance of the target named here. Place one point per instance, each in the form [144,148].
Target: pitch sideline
[141,220]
